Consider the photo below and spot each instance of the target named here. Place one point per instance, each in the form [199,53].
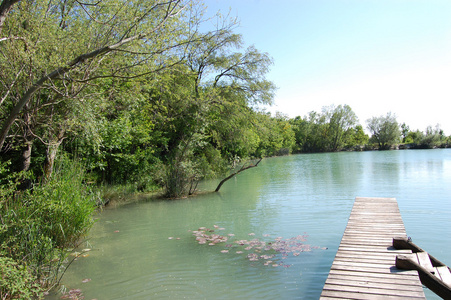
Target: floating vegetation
[74,294]
[268,252]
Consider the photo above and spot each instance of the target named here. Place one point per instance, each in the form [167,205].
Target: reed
[39,225]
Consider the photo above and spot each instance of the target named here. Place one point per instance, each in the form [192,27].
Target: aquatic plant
[268,252]
[73,294]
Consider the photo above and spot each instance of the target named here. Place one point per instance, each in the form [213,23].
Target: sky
[377,56]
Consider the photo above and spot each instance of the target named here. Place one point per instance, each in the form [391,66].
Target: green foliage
[433,137]
[275,134]
[37,226]
[16,282]
[340,120]
[64,205]
[151,88]
[404,132]
[334,129]
[385,131]
[356,137]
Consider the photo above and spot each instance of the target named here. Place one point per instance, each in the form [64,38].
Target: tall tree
[385,130]
[433,137]
[106,38]
[340,119]
[219,83]
[404,131]
[53,89]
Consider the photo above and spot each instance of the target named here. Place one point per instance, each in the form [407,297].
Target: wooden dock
[364,266]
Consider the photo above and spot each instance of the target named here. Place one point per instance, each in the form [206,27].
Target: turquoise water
[148,251]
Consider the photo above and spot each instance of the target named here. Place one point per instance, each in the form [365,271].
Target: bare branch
[243,168]
[11,86]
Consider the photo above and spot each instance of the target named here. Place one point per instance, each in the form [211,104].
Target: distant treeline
[337,129]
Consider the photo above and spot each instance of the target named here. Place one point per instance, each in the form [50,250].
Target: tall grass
[38,226]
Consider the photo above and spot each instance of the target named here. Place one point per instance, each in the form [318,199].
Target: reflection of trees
[331,172]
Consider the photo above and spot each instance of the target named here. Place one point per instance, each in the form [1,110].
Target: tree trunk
[52,149]
[26,183]
[26,156]
[50,159]
[28,140]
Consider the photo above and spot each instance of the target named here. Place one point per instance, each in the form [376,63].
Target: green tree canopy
[385,130]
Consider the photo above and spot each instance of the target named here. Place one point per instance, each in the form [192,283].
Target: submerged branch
[243,168]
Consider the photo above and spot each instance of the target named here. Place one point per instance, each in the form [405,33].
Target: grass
[38,226]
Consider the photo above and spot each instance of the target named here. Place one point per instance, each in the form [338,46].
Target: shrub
[16,282]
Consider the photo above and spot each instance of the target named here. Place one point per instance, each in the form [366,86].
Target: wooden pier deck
[364,266]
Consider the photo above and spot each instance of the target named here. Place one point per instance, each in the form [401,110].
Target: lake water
[148,251]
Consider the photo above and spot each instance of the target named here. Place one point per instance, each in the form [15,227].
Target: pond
[290,211]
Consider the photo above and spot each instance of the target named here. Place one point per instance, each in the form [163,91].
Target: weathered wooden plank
[445,274]
[345,255]
[330,294]
[374,291]
[424,261]
[362,235]
[364,266]
[361,241]
[368,231]
[377,292]
[370,249]
[368,260]
[393,271]
[366,222]
[374,227]
[375,285]
[367,242]
[382,278]
[427,278]
[375,276]
[359,263]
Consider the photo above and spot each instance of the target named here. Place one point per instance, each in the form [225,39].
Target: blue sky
[377,56]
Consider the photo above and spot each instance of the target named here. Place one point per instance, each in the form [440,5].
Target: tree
[275,134]
[355,136]
[404,131]
[107,39]
[218,84]
[315,137]
[385,130]
[340,119]
[140,78]
[333,129]
[52,91]
[432,138]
